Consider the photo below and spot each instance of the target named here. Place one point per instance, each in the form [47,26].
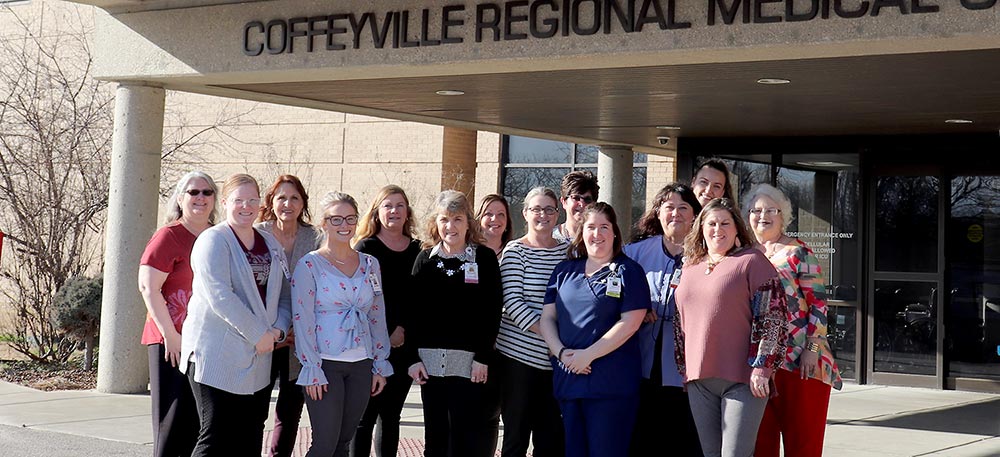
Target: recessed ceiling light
[823,164]
[957,121]
[773,81]
[450,92]
[668,127]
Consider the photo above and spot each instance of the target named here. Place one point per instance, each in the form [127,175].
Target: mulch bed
[47,377]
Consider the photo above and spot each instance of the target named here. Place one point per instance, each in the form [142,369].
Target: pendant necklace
[712,263]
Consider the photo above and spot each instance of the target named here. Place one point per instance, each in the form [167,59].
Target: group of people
[582,344]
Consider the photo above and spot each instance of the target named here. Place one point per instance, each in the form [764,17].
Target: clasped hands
[267,341]
[576,361]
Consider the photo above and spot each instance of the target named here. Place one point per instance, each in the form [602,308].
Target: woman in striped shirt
[527,402]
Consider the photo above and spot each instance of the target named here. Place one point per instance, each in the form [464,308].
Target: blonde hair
[695,248]
[452,202]
[370,225]
[237,180]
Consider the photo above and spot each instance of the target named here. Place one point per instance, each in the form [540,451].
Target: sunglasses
[195,192]
[582,198]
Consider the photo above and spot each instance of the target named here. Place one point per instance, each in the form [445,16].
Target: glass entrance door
[972,330]
[905,283]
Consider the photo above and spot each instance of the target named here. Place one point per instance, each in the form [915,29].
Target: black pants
[664,422]
[175,416]
[231,424]
[335,417]
[382,416]
[288,409]
[529,411]
[456,418]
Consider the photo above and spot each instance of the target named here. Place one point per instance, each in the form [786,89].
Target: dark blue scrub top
[585,313]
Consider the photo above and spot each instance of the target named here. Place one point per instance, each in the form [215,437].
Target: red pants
[796,417]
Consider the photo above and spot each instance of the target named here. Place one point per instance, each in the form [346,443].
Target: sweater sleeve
[512,277]
[417,309]
[769,330]
[810,280]
[304,321]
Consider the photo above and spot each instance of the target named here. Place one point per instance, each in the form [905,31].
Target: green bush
[78,312]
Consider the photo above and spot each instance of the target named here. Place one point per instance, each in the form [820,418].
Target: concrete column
[614,175]
[132,210]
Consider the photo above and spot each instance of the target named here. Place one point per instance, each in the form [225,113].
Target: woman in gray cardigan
[236,315]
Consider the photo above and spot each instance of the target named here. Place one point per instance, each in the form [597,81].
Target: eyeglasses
[195,192]
[584,198]
[339,220]
[248,202]
[548,210]
[768,211]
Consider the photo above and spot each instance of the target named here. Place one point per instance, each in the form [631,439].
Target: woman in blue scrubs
[594,303]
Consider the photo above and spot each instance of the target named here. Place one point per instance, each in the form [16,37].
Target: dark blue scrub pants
[599,427]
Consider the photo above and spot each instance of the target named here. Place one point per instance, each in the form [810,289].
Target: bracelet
[559,357]
[812,347]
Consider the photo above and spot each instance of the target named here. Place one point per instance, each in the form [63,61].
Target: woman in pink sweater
[731,335]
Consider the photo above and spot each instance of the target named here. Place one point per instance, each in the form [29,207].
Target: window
[531,162]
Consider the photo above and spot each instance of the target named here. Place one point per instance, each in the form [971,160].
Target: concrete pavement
[863,421]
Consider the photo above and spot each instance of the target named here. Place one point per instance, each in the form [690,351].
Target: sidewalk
[864,421]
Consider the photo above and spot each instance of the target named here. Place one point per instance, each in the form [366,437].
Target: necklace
[329,256]
[712,263]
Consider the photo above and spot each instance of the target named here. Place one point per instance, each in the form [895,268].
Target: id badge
[614,287]
[284,265]
[376,285]
[675,279]
[471,273]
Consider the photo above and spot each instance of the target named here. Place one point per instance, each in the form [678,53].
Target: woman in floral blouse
[339,316]
[798,414]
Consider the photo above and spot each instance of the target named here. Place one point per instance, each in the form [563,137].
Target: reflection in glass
[905,327]
[586,153]
[972,337]
[906,226]
[516,184]
[820,199]
[532,150]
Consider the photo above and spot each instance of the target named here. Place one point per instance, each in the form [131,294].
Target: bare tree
[54,162]
[55,149]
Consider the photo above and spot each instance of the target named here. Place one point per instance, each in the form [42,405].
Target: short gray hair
[769,191]
[540,190]
[174,211]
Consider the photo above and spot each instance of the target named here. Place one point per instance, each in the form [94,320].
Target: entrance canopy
[596,71]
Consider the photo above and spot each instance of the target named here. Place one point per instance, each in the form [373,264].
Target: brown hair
[579,182]
[649,224]
[266,208]
[237,180]
[508,231]
[720,166]
[578,250]
[452,202]
[369,225]
[695,248]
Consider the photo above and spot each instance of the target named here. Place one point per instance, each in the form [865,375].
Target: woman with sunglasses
[284,213]
[530,412]
[339,315]
[236,315]
[165,284]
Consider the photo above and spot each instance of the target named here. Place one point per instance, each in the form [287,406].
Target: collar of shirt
[468,255]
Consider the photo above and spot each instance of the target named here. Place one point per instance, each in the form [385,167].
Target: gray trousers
[727,416]
[335,417]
